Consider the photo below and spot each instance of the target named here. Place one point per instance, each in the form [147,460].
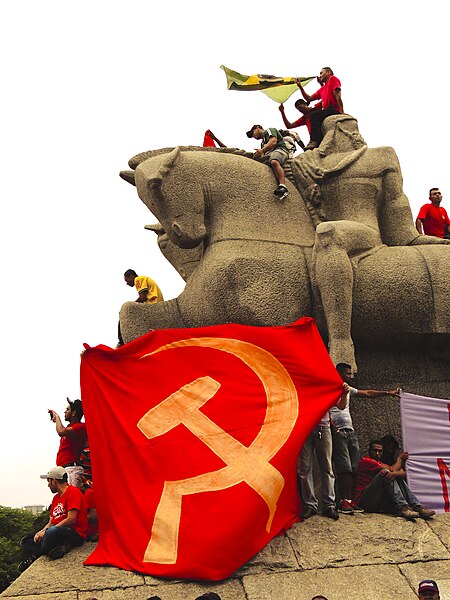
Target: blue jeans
[53,537]
[346,452]
[319,442]
[384,496]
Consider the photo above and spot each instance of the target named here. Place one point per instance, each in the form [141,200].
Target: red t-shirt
[326,93]
[434,219]
[70,500]
[89,502]
[303,121]
[71,446]
[367,469]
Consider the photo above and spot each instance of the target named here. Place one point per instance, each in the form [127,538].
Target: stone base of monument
[375,557]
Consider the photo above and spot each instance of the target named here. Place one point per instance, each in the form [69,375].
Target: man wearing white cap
[67,525]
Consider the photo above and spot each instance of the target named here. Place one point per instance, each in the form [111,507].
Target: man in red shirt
[330,95]
[73,440]
[302,107]
[91,510]
[66,527]
[433,218]
[382,488]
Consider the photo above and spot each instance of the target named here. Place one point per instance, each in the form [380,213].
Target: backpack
[290,138]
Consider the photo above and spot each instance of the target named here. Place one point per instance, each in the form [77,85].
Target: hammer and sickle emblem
[243,464]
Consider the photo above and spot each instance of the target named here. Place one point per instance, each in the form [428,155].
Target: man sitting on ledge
[382,488]
[67,526]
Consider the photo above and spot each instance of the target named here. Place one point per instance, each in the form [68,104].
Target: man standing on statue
[330,95]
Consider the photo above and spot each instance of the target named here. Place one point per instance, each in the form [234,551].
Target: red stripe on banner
[443,471]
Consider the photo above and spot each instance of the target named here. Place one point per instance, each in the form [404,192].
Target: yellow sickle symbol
[244,464]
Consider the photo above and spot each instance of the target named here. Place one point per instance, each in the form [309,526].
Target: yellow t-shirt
[153,292]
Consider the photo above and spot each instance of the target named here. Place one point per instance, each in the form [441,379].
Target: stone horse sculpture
[342,248]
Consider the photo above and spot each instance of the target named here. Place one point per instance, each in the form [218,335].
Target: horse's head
[174,194]
[185,260]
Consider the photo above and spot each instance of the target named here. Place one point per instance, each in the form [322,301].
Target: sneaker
[345,507]
[26,563]
[408,513]
[58,551]
[308,513]
[281,190]
[331,513]
[425,513]
[356,508]
[311,145]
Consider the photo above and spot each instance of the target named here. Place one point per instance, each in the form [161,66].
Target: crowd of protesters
[279,145]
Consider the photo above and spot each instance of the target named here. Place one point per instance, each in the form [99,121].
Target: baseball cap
[250,131]
[428,584]
[76,406]
[54,473]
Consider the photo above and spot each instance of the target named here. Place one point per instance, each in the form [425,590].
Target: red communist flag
[194,437]
[207,140]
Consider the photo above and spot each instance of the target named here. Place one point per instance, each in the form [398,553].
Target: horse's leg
[335,240]
[137,318]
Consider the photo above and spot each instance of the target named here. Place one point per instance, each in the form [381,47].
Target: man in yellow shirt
[148,291]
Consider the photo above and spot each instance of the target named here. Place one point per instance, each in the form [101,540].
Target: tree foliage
[15,523]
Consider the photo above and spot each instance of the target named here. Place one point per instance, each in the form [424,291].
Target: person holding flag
[330,95]
[302,106]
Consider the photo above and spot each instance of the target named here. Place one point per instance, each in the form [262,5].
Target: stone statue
[342,248]
[184,260]
[355,195]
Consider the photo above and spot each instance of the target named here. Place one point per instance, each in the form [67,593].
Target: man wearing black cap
[66,527]
[273,145]
[428,590]
[73,440]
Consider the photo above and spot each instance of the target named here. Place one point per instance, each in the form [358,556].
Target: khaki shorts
[278,154]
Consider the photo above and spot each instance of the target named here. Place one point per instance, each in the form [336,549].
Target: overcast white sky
[87,85]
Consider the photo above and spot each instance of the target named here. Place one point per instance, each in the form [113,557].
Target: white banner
[426,437]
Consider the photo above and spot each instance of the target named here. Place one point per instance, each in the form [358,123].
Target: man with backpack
[274,146]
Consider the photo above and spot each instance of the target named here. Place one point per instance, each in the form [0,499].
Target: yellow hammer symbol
[243,464]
